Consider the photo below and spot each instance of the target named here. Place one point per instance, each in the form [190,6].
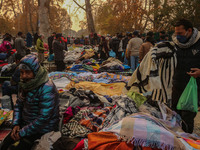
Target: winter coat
[187,58]
[38,111]
[125,43]
[5,47]
[29,40]
[114,45]
[40,46]
[20,46]
[58,48]
[134,46]
[50,43]
[144,49]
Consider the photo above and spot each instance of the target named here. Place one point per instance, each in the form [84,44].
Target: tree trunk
[25,11]
[90,21]
[156,17]
[30,16]
[44,26]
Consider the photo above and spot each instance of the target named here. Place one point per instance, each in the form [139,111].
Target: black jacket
[125,42]
[58,48]
[50,44]
[114,45]
[186,59]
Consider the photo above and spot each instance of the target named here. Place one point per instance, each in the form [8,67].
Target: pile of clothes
[97,115]
[111,65]
[72,56]
[93,121]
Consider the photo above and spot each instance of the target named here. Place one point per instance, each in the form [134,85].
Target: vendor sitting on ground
[11,87]
[37,109]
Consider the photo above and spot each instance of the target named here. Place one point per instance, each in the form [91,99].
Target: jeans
[134,62]
[125,59]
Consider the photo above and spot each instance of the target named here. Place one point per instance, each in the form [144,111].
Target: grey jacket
[134,46]
[20,46]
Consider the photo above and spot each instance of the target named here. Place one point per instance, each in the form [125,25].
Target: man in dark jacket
[125,43]
[11,87]
[50,42]
[58,47]
[29,40]
[20,44]
[37,108]
[117,46]
[187,40]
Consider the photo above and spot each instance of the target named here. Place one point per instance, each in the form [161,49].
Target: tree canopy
[22,15]
[121,16]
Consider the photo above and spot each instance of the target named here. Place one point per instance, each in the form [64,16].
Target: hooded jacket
[188,56]
[37,112]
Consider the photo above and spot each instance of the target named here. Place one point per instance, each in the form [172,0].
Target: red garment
[13,51]
[69,113]
[65,40]
[5,47]
[80,145]
[1,65]
[46,46]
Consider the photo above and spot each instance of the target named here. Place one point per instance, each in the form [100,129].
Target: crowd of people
[129,52]
[37,108]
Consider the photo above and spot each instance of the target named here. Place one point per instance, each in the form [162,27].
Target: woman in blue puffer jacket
[37,109]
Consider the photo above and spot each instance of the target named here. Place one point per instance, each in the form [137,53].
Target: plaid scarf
[124,107]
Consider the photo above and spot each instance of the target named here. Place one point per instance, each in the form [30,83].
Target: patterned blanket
[94,120]
[145,130]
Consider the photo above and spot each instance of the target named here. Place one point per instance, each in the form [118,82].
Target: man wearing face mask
[37,108]
[187,42]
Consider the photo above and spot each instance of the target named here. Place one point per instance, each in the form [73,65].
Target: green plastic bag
[189,97]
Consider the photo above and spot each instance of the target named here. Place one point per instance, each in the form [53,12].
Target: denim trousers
[134,62]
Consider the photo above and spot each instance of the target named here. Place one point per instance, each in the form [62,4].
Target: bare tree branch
[92,2]
[79,5]
[1,4]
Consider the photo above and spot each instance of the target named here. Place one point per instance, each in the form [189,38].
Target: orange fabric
[193,143]
[106,141]
[99,88]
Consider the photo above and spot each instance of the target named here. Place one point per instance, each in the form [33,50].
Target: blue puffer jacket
[38,113]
